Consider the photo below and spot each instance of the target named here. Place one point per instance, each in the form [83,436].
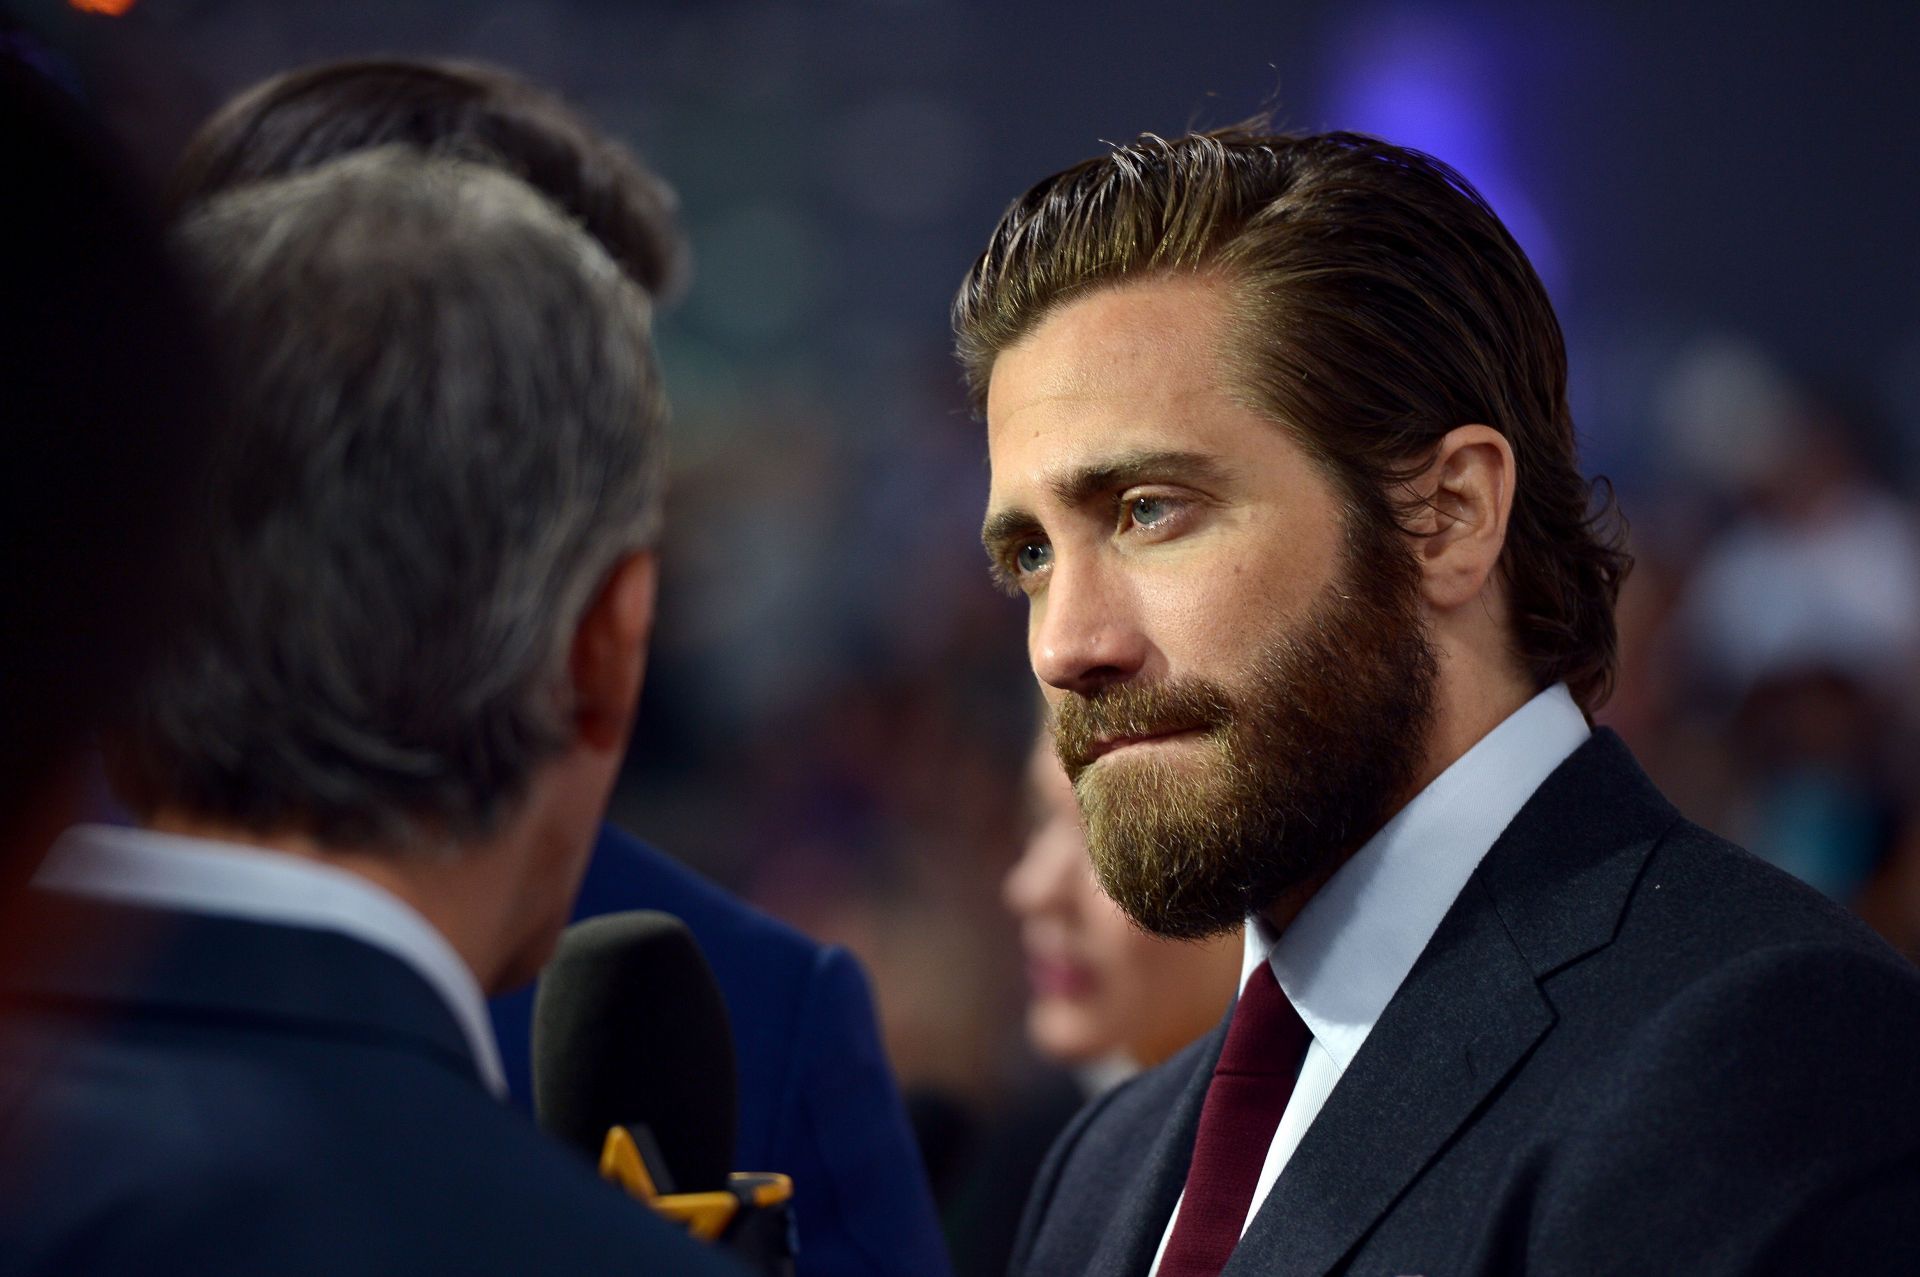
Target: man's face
[1241,684]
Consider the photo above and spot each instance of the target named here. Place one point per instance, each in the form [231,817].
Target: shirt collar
[200,875]
[1345,955]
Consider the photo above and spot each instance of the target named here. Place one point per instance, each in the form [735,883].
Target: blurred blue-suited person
[817,1099]
[369,768]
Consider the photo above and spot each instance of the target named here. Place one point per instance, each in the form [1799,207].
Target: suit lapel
[1140,1217]
[1550,891]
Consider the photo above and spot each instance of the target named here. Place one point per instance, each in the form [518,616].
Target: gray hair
[444,432]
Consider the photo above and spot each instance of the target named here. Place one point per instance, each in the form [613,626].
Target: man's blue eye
[1148,511]
[1032,556]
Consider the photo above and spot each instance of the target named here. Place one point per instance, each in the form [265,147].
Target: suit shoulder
[1731,902]
[222,1159]
[1713,938]
[1771,1088]
[626,873]
[1732,988]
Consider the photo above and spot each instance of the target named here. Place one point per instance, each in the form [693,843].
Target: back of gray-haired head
[445,430]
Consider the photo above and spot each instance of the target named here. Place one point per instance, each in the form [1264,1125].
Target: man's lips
[1105,745]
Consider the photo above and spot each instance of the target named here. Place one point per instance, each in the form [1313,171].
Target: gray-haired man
[369,777]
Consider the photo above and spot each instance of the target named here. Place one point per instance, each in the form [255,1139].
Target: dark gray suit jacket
[210,1096]
[1629,1048]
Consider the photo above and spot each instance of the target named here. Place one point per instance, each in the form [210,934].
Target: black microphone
[633,1065]
[629,1029]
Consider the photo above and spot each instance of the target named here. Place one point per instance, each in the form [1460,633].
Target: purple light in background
[1428,79]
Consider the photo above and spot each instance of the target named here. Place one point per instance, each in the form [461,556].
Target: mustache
[1080,723]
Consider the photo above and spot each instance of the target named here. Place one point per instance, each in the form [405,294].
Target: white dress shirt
[1347,952]
[198,875]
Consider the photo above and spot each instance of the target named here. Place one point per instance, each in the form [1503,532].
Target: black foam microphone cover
[629,1028]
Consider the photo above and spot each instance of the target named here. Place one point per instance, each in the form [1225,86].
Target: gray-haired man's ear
[609,659]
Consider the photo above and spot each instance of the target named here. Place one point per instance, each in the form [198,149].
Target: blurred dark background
[1724,200]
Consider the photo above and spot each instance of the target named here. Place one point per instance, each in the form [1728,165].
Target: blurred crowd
[1771,631]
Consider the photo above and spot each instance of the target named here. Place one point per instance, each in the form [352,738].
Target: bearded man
[1283,463]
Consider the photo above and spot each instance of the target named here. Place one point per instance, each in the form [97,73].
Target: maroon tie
[1250,1088]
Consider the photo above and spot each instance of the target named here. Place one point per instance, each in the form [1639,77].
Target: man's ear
[1468,493]
[609,658]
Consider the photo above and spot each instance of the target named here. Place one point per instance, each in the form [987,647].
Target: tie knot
[1267,1036]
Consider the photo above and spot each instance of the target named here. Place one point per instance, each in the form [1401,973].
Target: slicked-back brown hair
[1378,302]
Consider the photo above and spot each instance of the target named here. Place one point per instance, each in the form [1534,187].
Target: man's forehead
[1120,342]
[1031,469]
[1052,443]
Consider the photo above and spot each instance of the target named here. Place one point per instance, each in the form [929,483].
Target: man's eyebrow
[1004,526]
[1077,486]
[1083,483]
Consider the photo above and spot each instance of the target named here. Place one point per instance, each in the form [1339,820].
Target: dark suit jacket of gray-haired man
[368,772]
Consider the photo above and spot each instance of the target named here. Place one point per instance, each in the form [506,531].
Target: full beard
[1297,766]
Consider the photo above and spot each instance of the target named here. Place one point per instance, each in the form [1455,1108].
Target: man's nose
[1083,634]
